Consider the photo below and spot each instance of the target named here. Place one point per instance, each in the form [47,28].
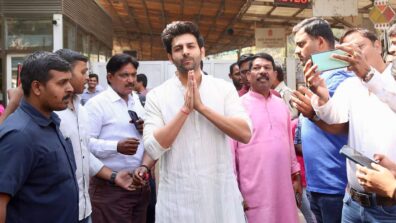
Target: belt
[369,199]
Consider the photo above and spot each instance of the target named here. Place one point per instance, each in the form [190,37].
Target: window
[69,35]
[35,34]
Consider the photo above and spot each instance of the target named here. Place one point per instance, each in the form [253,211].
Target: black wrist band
[147,168]
[112,177]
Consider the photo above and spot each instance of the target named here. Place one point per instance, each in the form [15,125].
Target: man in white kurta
[197,182]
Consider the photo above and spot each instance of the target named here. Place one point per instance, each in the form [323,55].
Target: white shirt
[109,123]
[370,109]
[74,125]
[197,183]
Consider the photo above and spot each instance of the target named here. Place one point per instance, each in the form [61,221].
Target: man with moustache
[75,126]
[325,167]
[37,166]
[267,165]
[188,119]
[116,141]
[367,103]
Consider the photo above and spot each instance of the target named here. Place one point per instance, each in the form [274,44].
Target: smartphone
[134,117]
[356,156]
[325,62]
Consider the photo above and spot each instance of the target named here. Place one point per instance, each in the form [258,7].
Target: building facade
[30,25]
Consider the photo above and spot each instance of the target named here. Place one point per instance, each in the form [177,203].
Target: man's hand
[386,162]
[124,180]
[139,125]
[356,59]
[198,105]
[140,177]
[189,94]
[316,83]
[380,180]
[301,100]
[297,187]
[15,95]
[128,146]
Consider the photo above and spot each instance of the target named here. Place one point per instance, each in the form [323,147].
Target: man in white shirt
[74,125]
[188,119]
[368,102]
[116,141]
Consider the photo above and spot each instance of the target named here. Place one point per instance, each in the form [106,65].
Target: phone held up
[134,117]
[326,62]
[356,156]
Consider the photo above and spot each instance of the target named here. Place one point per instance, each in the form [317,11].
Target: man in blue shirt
[37,166]
[325,167]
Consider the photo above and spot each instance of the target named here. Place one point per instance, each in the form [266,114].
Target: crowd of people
[251,151]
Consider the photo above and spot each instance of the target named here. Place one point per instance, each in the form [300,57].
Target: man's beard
[184,69]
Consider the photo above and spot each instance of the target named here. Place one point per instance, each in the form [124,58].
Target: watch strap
[112,177]
[369,75]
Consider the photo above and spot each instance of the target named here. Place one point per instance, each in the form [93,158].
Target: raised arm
[236,126]
[14,98]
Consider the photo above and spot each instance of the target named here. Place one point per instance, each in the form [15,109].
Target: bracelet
[183,110]
[112,177]
[147,168]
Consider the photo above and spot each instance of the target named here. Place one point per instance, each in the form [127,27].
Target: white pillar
[57,24]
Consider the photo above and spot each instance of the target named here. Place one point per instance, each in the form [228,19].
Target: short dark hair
[316,27]
[37,67]
[364,32]
[71,56]
[117,61]
[92,75]
[392,30]
[264,56]
[280,75]
[142,78]
[245,58]
[232,66]
[178,28]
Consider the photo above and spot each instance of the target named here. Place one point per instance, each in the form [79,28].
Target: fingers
[347,47]
[377,167]
[305,91]
[379,157]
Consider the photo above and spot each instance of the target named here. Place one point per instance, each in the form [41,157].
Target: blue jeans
[327,208]
[353,212]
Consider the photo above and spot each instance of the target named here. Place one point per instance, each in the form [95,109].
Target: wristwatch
[315,118]
[369,75]
[112,177]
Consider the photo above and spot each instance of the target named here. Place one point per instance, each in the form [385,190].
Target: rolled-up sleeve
[153,121]
[384,87]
